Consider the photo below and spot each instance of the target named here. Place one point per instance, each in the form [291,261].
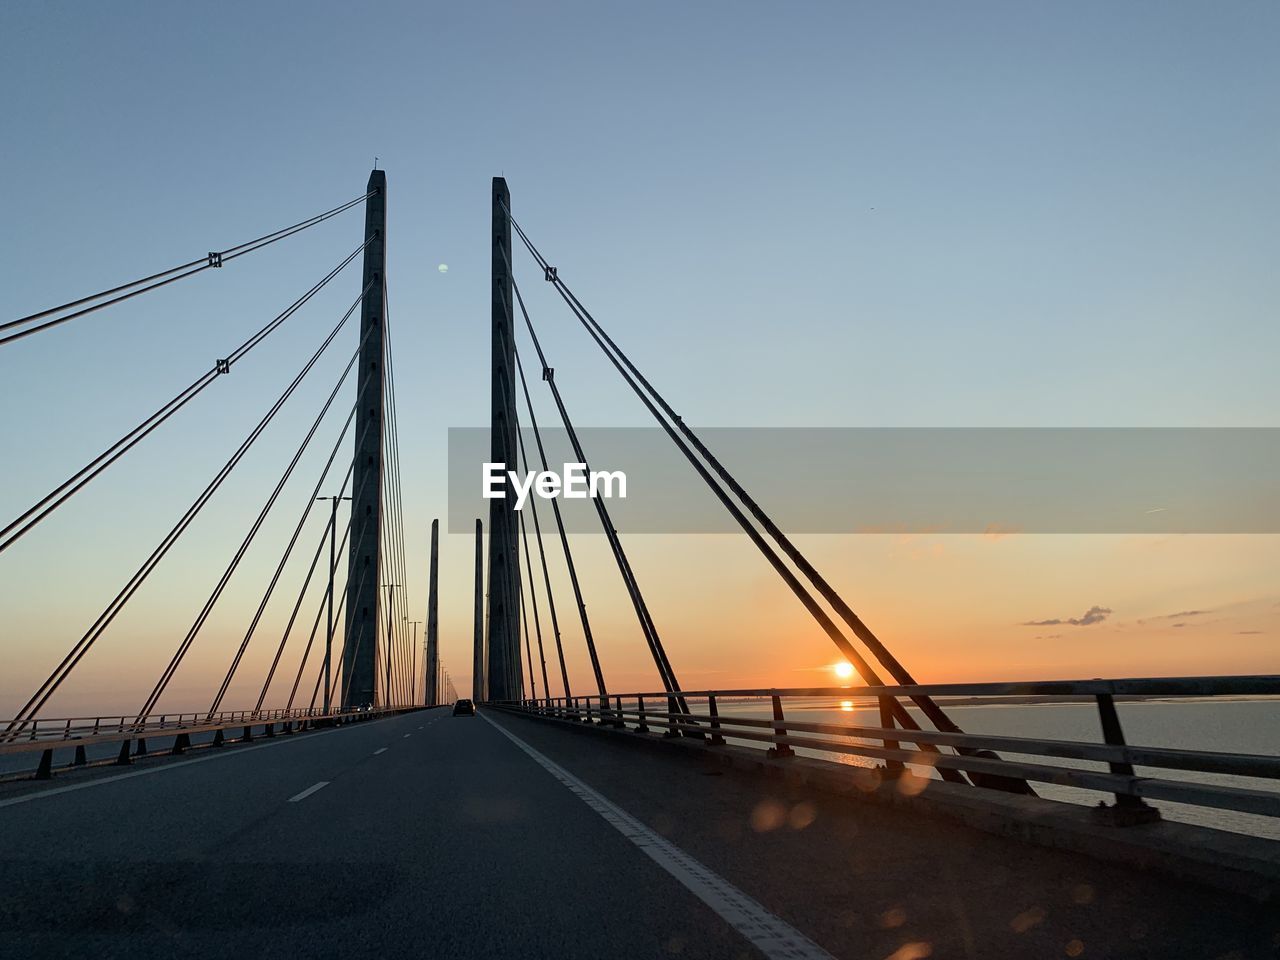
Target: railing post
[617,716]
[717,740]
[1128,809]
[779,750]
[892,768]
[672,728]
[642,727]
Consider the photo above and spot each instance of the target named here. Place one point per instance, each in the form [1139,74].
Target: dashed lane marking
[309,791]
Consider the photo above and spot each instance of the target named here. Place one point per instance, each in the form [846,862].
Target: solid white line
[380,750]
[407,736]
[309,791]
[772,936]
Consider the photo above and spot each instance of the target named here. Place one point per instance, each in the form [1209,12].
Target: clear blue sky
[807,213]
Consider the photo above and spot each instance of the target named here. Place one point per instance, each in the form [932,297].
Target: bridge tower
[479,661]
[504,671]
[432,666]
[360,653]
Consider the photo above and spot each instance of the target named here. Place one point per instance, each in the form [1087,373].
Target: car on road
[464,708]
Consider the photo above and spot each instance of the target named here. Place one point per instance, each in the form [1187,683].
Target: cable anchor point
[215,259]
[550,273]
[222,366]
[548,374]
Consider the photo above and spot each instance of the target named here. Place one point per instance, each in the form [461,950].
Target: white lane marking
[309,791]
[771,935]
[229,751]
[407,736]
[380,750]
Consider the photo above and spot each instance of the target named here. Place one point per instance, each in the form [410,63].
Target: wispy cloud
[1091,616]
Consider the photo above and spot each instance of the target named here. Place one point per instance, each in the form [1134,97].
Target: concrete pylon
[360,651]
[504,562]
[433,639]
[479,663]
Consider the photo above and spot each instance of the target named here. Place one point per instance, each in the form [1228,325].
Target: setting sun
[843,669]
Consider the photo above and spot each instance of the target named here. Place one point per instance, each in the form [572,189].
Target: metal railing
[45,735]
[972,754]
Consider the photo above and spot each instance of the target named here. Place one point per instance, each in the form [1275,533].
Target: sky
[810,214]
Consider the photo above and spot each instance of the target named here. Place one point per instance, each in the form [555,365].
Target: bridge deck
[454,842]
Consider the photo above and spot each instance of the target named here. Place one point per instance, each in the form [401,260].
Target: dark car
[464,708]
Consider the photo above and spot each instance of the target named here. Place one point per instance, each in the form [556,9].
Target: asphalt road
[432,836]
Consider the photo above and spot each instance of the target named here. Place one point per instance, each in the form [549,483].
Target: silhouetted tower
[478,662]
[360,653]
[433,640]
[504,564]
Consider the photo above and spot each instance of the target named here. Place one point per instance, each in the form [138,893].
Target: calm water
[1228,726]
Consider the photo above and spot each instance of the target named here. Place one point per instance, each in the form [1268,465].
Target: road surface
[426,835]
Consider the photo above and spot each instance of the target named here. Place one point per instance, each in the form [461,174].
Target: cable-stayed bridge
[341,808]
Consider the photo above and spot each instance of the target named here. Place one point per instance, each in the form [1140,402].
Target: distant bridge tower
[504,565]
[433,623]
[360,653]
[479,661]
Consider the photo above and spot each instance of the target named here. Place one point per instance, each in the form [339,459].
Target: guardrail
[45,735]
[974,755]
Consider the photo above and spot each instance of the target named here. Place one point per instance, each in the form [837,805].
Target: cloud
[1185,613]
[1091,616]
[1248,633]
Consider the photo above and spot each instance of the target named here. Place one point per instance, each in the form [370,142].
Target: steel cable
[60,494]
[165,277]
